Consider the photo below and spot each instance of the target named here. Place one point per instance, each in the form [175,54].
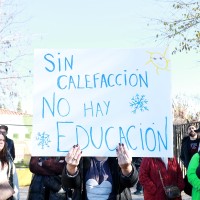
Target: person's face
[191,131]
[3,131]
[2,142]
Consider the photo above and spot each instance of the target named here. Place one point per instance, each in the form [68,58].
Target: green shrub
[15,135]
[28,136]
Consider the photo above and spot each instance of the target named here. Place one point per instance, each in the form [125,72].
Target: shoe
[138,192]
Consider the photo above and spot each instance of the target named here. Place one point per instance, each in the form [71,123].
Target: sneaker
[138,192]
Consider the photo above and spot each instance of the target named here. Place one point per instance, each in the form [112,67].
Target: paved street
[24,192]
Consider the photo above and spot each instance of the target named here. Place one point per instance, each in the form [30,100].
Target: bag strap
[161,178]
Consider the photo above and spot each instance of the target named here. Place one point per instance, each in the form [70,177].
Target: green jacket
[192,177]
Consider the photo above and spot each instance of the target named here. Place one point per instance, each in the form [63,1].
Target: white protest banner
[98,98]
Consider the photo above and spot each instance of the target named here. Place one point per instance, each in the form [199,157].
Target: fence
[179,131]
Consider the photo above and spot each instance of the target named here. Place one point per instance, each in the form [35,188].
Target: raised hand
[124,159]
[72,159]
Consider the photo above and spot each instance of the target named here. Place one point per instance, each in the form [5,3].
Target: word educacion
[150,139]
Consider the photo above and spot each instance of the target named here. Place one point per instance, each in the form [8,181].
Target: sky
[105,24]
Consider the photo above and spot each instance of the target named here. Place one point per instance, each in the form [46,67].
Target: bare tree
[182,26]
[185,109]
[13,46]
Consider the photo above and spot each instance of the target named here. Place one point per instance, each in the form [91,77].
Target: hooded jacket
[193,176]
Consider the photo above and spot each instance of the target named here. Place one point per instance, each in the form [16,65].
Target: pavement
[24,193]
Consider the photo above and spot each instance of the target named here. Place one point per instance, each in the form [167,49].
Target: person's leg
[139,187]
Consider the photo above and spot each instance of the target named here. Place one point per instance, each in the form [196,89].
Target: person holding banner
[99,177]
[157,174]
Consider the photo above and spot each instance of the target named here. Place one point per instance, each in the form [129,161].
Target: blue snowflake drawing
[139,103]
[43,139]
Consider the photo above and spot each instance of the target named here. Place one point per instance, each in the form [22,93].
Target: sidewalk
[140,197]
[24,193]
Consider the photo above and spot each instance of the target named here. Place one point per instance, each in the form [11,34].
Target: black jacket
[185,155]
[121,184]
[10,147]
[46,180]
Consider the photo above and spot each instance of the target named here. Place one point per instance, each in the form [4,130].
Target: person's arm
[130,180]
[55,165]
[12,150]
[36,167]
[191,172]
[183,150]
[124,160]
[71,181]
[129,174]
[71,177]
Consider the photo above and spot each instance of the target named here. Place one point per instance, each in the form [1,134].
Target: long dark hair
[4,154]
